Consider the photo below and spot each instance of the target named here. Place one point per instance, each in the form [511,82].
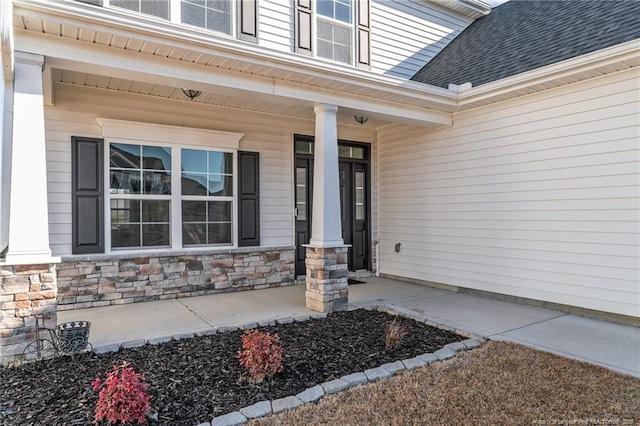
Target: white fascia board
[629,51]
[102,60]
[167,33]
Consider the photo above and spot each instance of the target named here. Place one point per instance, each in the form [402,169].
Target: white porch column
[28,214]
[326,254]
[326,227]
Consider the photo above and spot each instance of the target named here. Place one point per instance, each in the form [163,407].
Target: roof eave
[473,9]
[621,56]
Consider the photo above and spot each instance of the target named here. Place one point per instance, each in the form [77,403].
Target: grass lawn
[499,383]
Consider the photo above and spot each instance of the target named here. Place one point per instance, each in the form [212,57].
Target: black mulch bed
[193,380]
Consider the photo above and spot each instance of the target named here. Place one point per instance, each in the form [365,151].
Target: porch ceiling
[64,77]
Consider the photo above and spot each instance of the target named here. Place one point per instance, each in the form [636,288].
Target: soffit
[62,77]
[209,50]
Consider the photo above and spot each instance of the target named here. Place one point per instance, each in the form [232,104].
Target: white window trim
[351,25]
[175,16]
[176,138]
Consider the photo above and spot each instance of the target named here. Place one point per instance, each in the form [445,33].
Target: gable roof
[522,35]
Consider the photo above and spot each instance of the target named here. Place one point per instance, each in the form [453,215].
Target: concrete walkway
[611,345]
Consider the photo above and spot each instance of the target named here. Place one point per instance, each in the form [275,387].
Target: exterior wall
[75,113]
[25,291]
[275,26]
[536,197]
[406,34]
[108,280]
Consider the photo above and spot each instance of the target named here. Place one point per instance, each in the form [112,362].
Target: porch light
[361,119]
[190,93]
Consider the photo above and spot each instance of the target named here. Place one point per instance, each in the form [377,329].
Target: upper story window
[214,15]
[334,29]
[210,14]
[159,8]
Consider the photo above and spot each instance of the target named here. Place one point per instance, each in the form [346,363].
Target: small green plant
[261,353]
[395,333]
[122,397]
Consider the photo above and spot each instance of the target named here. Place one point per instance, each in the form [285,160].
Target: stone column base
[326,279]
[25,291]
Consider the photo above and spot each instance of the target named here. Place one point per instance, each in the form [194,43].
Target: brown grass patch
[499,383]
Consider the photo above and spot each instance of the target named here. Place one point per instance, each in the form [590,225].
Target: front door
[354,195]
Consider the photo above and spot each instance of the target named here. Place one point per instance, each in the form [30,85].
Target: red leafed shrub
[261,353]
[123,396]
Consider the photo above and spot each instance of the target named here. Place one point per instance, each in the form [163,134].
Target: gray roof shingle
[522,35]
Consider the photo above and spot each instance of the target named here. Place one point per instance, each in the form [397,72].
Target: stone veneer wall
[327,282]
[103,280]
[25,291]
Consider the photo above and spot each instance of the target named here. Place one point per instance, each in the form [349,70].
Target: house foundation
[327,282]
[103,280]
[26,291]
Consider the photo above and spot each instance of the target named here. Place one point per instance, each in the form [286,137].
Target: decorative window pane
[210,14]
[301,193]
[351,152]
[303,147]
[360,208]
[159,8]
[139,223]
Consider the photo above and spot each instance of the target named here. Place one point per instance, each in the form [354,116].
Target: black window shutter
[248,20]
[87,196]
[304,27]
[248,199]
[363,32]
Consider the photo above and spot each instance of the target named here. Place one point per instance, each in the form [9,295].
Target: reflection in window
[139,169]
[206,222]
[144,172]
[207,188]
[207,173]
[139,223]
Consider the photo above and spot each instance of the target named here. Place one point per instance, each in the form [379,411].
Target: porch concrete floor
[611,345]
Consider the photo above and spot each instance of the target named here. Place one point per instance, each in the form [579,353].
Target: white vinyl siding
[275,23]
[536,197]
[73,117]
[406,34]
[75,114]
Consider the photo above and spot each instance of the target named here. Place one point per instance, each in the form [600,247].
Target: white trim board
[134,130]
